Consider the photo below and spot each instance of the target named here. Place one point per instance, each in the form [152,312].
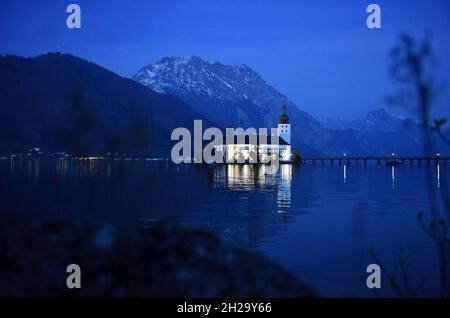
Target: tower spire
[284,119]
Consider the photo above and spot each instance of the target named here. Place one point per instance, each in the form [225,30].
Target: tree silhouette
[412,67]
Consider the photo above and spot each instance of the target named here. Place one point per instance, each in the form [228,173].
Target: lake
[317,221]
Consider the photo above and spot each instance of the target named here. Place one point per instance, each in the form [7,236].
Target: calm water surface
[318,222]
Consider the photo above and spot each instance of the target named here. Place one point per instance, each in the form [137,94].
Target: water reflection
[393,177]
[30,168]
[345,174]
[12,168]
[250,177]
[303,217]
[61,168]
[284,189]
[241,177]
[438,176]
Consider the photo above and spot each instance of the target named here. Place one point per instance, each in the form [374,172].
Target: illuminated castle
[262,148]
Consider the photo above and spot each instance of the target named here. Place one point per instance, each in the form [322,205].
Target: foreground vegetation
[165,260]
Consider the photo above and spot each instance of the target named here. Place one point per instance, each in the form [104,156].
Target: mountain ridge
[65,103]
[238,96]
[232,96]
[378,119]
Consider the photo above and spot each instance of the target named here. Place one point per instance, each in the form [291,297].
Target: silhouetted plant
[439,127]
[438,231]
[412,67]
[165,260]
[400,278]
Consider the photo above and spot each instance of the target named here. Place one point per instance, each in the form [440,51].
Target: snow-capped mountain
[194,75]
[378,120]
[378,133]
[237,96]
[231,96]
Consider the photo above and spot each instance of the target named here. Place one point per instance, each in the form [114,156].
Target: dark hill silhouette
[63,103]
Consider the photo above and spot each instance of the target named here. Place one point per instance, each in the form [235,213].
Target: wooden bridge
[379,160]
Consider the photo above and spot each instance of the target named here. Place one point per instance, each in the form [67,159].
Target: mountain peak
[382,114]
[195,75]
[380,120]
[229,95]
[182,59]
[380,110]
[376,120]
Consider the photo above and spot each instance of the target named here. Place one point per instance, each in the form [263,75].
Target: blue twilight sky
[319,53]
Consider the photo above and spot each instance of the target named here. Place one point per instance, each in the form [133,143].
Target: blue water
[316,221]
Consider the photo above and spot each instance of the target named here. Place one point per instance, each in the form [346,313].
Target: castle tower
[284,128]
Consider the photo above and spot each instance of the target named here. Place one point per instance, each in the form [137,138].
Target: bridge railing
[379,160]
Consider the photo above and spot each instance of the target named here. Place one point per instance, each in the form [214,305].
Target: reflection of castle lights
[240,177]
[246,173]
[237,177]
[286,172]
[284,189]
